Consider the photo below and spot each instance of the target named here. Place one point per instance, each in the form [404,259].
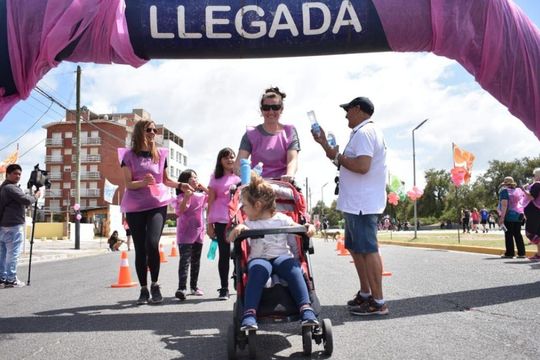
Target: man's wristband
[336,159]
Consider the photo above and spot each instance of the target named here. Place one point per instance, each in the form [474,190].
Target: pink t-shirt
[219,211]
[190,224]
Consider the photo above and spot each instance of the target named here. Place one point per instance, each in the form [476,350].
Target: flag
[108,191]
[11,159]
[463,159]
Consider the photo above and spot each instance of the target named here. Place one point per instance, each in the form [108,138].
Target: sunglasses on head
[265,107]
[153,130]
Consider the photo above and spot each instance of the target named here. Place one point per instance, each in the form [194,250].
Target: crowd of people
[203,210]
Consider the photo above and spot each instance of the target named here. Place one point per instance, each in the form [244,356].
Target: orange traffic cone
[342,250]
[384,273]
[162,257]
[124,276]
[174,250]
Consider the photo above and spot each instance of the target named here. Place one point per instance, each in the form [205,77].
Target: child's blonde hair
[260,190]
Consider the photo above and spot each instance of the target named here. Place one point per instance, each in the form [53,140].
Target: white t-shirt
[364,193]
[272,246]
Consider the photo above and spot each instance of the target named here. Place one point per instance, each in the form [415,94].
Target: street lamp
[414,174]
[322,199]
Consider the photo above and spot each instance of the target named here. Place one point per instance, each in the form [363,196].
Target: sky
[209,103]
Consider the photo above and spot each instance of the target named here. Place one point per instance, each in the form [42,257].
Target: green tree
[432,203]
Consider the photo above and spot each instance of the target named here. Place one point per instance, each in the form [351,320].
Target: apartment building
[101,135]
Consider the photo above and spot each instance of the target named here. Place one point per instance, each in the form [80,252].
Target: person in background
[532,214]
[491,221]
[475,216]
[362,198]
[270,254]
[223,183]
[274,144]
[114,242]
[484,215]
[145,203]
[511,216]
[190,231]
[13,202]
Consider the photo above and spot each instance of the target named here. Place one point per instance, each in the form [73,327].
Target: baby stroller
[277,304]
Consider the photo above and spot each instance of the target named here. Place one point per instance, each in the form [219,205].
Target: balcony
[54,159]
[54,142]
[53,193]
[55,175]
[87,192]
[88,141]
[87,175]
[89,158]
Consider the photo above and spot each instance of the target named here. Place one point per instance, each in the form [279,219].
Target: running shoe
[180,294]
[369,308]
[143,297]
[156,294]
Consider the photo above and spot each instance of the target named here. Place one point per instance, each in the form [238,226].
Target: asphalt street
[443,305]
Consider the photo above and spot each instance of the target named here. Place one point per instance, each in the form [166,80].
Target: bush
[170,223]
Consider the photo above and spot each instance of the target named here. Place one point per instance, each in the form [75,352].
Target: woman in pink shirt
[222,185]
[274,144]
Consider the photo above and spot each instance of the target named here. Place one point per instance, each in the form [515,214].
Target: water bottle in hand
[258,168]
[331,139]
[212,250]
[315,127]
[245,171]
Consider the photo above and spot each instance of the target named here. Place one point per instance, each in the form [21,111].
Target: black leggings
[513,232]
[146,228]
[190,256]
[224,254]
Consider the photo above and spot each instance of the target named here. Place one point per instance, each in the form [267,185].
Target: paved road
[444,305]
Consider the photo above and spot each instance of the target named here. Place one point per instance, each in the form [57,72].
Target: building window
[92,203]
[67,168]
[95,134]
[68,134]
[172,172]
[172,154]
[67,151]
[94,151]
[67,185]
[185,160]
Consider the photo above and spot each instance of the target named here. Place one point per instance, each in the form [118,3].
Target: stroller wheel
[252,344]
[328,338]
[306,340]
[231,342]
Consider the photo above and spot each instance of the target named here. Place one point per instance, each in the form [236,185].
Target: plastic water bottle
[331,138]
[258,168]
[245,171]
[315,127]
[212,250]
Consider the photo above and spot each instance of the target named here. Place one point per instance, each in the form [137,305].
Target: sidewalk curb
[39,258]
[463,248]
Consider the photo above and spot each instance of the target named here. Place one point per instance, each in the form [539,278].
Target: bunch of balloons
[457,175]
[415,193]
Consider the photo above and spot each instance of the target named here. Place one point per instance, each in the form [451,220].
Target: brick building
[101,135]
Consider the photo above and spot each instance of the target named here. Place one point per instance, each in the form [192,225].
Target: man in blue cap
[362,198]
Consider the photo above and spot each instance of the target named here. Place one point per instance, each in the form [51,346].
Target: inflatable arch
[492,39]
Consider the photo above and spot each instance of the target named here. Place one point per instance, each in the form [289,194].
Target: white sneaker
[14,284]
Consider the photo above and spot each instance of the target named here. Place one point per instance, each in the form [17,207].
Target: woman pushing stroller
[270,254]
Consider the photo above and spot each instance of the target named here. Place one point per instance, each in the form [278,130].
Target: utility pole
[78,159]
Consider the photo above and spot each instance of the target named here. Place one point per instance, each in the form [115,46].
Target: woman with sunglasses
[145,203]
[272,143]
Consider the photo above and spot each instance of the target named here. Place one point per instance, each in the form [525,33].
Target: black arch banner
[492,39]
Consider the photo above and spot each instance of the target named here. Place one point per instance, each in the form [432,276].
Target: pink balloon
[76,207]
[393,198]
[458,175]
[79,217]
[415,193]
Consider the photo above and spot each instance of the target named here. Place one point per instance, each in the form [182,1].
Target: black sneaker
[2,283]
[357,300]
[156,294]
[370,308]
[180,294]
[14,284]
[143,298]
[223,294]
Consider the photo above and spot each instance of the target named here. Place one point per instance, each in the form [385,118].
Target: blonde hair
[259,190]
[536,172]
[138,140]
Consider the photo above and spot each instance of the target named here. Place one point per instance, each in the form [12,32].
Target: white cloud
[209,103]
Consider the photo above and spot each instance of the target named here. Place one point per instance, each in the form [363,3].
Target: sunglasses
[265,107]
[153,130]
[336,190]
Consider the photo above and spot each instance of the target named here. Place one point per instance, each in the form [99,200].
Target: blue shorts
[361,233]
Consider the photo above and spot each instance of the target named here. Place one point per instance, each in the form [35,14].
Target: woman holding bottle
[271,143]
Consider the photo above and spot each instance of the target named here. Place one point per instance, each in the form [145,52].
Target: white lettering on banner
[210,22]
[154,32]
[282,21]
[306,18]
[261,25]
[181,16]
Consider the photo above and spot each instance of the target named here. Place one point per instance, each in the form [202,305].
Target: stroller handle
[259,233]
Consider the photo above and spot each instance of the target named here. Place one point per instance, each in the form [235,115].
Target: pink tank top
[190,225]
[135,200]
[270,150]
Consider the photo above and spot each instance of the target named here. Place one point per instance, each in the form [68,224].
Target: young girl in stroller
[270,254]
